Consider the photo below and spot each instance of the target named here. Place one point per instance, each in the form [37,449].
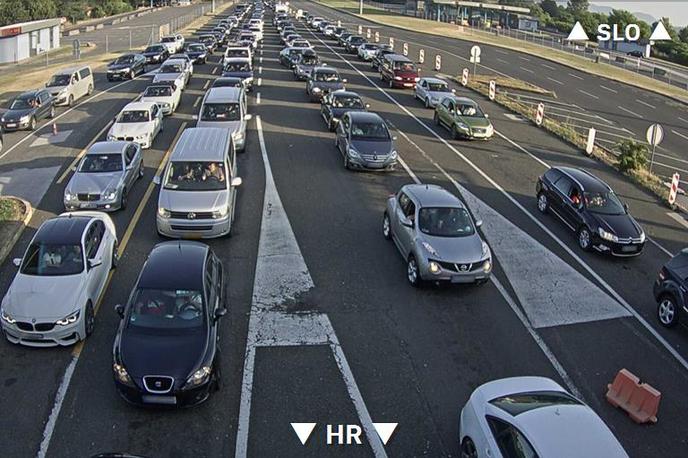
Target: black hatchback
[591,209]
[671,290]
[166,348]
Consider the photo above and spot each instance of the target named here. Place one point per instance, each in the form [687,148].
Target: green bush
[633,155]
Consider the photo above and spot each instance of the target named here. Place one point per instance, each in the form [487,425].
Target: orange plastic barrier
[640,400]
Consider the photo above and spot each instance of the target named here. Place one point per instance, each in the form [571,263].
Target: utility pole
[360,7]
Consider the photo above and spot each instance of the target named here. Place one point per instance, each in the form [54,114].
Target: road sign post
[421,56]
[591,141]
[464,77]
[540,114]
[405,47]
[475,57]
[654,136]
[493,90]
[438,63]
[674,188]
[377,37]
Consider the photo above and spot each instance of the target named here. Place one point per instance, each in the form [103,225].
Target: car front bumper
[10,126]
[373,165]
[58,336]
[193,229]
[455,272]
[118,75]
[102,205]
[178,398]
[403,84]
[622,250]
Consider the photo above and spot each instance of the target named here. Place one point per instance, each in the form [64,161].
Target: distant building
[633,48]
[27,39]
[475,14]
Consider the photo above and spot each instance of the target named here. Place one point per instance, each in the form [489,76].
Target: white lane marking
[527,70]
[575,76]
[214,70]
[281,275]
[548,66]
[501,52]
[646,104]
[684,120]
[609,89]
[57,406]
[630,112]
[261,60]
[678,218]
[519,147]
[507,297]
[260,70]
[198,100]
[205,86]
[679,134]
[668,347]
[502,60]
[260,81]
[556,81]
[524,58]
[588,94]
[258,98]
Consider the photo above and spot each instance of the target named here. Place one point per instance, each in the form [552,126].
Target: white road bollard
[368,34]
[391,42]
[360,29]
[377,37]
[339,23]
[493,90]
[406,49]
[438,63]
[674,188]
[421,56]
[464,77]
[590,144]
[540,114]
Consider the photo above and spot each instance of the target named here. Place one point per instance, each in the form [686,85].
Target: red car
[398,71]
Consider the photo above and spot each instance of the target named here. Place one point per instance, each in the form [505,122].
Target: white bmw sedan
[138,122]
[532,417]
[63,273]
[166,94]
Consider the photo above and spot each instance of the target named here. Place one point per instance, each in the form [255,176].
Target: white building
[21,41]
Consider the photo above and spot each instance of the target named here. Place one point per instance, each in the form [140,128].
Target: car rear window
[516,404]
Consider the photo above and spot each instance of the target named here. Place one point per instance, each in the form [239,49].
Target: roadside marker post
[391,42]
[55,129]
[421,56]
[368,34]
[591,141]
[674,188]
[464,77]
[493,90]
[438,63]
[406,49]
[339,23]
[377,37]
[360,29]
[540,114]
[654,136]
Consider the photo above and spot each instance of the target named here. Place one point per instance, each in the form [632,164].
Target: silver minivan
[199,186]
[225,107]
[70,84]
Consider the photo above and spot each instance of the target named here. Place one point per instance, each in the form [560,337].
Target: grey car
[27,109]
[431,91]
[322,81]
[364,141]
[305,63]
[104,176]
[437,236]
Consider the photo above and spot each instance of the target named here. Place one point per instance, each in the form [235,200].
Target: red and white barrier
[464,77]
[540,114]
[674,188]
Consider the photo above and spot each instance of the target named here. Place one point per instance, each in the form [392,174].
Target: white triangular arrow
[578,33]
[303,430]
[385,430]
[660,33]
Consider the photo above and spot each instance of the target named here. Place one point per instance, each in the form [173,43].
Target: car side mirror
[156,179]
[626,207]
[487,116]
[248,117]
[236,182]
[479,223]
[119,308]
[95,262]
[16,262]
[220,312]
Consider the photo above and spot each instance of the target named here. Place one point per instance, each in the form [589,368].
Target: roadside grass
[512,83]
[11,209]
[464,33]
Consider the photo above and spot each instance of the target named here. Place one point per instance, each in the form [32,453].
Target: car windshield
[445,222]
[405,67]
[158,91]
[124,60]
[221,112]
[438,87]
[59,80]
[327,77]
[167,40]
[23,103]
[354,40]
[101,163]
[195,48]
[171,68]
[347,101]
[309,60]
[238,67]
[166,309]
[470,110]
[300,44]
[207,39]
[369,131]
[196,176]
[154,49]
[133,116]
[515,404]
[605,203]
[228,82]
[45,259]
[237,53]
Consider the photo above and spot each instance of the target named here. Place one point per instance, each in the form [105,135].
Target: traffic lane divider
[639,400]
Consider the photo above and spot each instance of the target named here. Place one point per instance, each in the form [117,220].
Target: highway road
[323,326]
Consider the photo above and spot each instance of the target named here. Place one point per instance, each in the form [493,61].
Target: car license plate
[460,279]
[12,125]
[629,248]
[30,335]
[165,400]
[88,205]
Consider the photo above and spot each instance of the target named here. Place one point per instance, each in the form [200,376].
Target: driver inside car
[214,172]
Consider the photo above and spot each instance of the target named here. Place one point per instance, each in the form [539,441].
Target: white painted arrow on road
[303,430]
[385,430]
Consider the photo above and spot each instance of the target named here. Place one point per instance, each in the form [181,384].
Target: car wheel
[332,126]
[114,256]
[70,101]
[386,227]
[132,75]
[52,112]
[391,84]
[427,102]
[584,238]
[89,320]
[667,312]
[142,170]
[347,164]
[412,272]
[123,200]
[0,144]
[436,118]
[542,203]
[32,124]
[468,449]
[217,377]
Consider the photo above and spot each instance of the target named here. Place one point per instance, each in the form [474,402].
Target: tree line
[14,11]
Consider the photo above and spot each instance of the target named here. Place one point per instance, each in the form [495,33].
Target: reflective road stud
[438,63]
[674,188]
[406,49]
[464,77]
[421,56]
[493,90]
[540,115]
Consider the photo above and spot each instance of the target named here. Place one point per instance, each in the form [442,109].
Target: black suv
[671,290]
[589,207]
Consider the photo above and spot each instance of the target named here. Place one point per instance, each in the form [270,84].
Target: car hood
[405,74]
[194,54]
[192,201]
[323,85]
[152,53]
[238,74]
[175,355]
[130,128]
[42,298]
[622,226]
[459,250]
[438,94]
[54,90]
[158,99]
[94,183]
[118,66]
[166,77]
[232,126]
[472,121]
[16,114]
[381,148]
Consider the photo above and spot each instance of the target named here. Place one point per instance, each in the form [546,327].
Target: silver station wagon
[198,187]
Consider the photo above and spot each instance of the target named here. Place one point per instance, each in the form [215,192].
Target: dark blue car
[240,67]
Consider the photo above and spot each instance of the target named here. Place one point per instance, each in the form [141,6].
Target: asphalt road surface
[323,326]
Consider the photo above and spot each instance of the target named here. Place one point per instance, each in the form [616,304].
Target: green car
[464,118]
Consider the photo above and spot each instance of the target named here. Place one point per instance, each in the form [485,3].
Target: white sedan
[176,70]
[530,417]
[166,94]
[64,271]
[138,122]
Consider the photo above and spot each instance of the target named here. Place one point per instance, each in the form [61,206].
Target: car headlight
[141,137]
[122,375]
[429,248]
[198,378]
[69,319]
[393,155]
[221,213]
[110,195]
[69,196]
[316,89]
[124,70]
[7,319]
[642,236]
[62,92]
[607,235]
[487,266]
[353,153]
[398,78]
[462,126]
[24,118]
[111,138]
[434,267]
[2,119]
[163,212]
[416,79]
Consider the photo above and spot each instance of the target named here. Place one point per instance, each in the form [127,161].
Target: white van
[69,85]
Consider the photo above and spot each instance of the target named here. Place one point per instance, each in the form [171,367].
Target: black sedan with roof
[165,351]
[671,291]
[197,52]
[322,81]
[126,67]
[591,209]
[334,105]
[156,53]
[365,142]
